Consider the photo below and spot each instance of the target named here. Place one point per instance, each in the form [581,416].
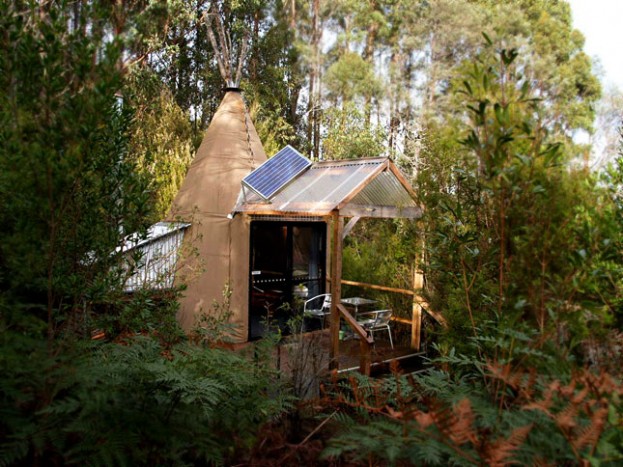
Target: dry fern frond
[457,422]
[505,374]
[589,435]
[501,450]
[566,418]
[424,419]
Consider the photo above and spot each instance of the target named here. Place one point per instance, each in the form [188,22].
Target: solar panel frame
[274,174]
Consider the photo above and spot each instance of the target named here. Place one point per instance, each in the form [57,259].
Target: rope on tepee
[246,127]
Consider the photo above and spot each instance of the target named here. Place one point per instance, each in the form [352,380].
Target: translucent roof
[364,187]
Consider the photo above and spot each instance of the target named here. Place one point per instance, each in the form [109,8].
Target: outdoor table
[356,302]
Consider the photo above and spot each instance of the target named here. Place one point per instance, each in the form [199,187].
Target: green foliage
[351,77]
[479,413]
[72,187]
[131,404]
[68,189]
[521,258]
[214,326]
[512,232]
[382,251]
[161,142]
[348,136]
[141,312]
[273,129]
[522,253]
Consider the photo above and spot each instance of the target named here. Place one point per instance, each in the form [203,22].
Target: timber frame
[335,190]
[339,311]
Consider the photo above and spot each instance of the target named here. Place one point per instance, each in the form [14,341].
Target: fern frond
[500,452]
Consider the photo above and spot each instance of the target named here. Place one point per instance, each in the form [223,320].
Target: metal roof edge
[360,160]
[177,226]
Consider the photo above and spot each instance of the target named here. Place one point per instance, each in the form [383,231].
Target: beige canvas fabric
[230,150]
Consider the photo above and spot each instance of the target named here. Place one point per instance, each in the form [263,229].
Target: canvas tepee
[230,150]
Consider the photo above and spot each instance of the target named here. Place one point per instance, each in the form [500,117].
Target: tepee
[230,150]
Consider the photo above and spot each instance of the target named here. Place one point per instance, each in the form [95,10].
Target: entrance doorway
[287,267]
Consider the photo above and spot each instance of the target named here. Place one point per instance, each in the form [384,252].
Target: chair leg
[391,342]
[389,331]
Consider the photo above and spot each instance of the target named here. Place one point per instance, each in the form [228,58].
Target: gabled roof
[371,187]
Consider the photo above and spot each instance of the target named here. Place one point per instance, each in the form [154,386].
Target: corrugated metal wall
[155,263]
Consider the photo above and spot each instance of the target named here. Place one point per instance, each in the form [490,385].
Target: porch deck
[309,353]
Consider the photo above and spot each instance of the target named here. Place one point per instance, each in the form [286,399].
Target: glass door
[287,266]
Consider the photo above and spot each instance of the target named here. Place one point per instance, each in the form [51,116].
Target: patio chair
[317,307]
[378,320]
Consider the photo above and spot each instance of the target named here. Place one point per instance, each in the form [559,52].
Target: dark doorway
[287,267]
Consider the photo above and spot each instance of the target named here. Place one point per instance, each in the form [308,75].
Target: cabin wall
[216,245]
[241,233]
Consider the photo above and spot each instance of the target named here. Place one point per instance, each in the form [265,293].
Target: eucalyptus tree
[606,140]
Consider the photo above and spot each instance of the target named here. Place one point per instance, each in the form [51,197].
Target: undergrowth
[131,403]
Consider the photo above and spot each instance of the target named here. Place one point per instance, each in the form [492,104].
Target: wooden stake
[336,289]
[416,309]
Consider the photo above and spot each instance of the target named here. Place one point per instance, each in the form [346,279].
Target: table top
[357,301]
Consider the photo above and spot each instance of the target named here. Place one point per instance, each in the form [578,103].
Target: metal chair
[377,320]
[317,307]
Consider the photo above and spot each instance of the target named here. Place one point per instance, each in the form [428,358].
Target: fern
[511,415]
[111,404]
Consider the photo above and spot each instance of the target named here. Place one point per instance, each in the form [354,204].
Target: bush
[106,404]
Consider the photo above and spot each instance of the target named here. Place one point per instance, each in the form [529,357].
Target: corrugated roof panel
[385,190]
[375,190]
[324,186]
[318,190]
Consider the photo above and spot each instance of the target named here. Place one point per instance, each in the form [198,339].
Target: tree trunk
[368,56]
[313,115]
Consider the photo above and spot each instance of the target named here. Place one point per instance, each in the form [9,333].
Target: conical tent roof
[230,150]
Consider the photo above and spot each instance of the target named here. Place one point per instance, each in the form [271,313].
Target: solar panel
[276,172]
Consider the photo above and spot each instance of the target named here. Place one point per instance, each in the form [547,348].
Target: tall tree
[68,189]
[509,223]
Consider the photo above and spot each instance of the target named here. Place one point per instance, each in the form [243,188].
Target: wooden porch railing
[365,341]
[419,305]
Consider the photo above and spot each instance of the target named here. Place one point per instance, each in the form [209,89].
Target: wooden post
[365,340]
[336,289]
[365,359]
[416,313]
